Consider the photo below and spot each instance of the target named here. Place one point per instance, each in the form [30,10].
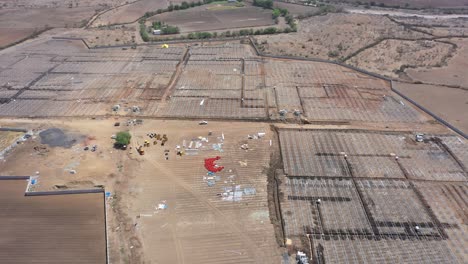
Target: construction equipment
[141,151]
[164,46]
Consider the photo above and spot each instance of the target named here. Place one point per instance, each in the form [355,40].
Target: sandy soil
[390,55]
[196,221]
[9,35]
[216,17]
[453,74]
[448,103]
[339,33]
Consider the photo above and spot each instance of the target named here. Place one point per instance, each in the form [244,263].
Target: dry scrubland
[390,55]
[343,34]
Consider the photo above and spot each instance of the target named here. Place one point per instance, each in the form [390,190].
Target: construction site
[237,157]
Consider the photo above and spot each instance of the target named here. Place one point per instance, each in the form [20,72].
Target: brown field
[449,103]
[55,228]
[453,73]
[9,35]
[19,23]
[211,17]
[128,13]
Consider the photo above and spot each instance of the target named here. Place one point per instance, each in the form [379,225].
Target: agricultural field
[127,13]
[19,20]
[447,102]
[216,16]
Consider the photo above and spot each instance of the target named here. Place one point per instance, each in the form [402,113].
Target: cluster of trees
[240,33]
[143,33]
[277,12]
[263,3]
[122,139]
[165,28]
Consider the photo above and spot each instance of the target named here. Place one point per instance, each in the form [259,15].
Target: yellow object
[165,46]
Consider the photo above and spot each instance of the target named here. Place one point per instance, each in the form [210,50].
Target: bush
[276,13]
[333,54]
[263,3]
[284,11]
[144,34]
[184,5]
[270,30]
[170,30]
[123,138]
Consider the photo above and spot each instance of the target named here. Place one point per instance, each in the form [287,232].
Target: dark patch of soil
[55,137]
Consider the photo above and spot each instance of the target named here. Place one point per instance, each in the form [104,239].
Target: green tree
[263,3]
[123,138]
[276,13]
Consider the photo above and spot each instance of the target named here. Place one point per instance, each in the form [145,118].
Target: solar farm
[336,177]
[216,80]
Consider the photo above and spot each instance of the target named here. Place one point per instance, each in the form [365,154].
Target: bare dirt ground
[19,23]
[216,17]
[390,56]
[341,34]
[108,36]
[198,226]
[8,35]
[453,73]
[448,103]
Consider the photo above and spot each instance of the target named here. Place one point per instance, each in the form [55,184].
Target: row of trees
[171,7]
[165,28]
[240,33]
[263,3]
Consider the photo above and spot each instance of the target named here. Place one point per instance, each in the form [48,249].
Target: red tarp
[210,164]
